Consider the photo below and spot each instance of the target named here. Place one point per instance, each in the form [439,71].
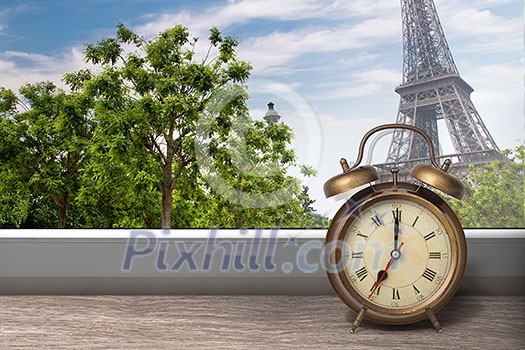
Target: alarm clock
[395,251]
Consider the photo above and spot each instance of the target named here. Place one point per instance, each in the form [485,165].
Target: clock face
[396,253]
[415,267]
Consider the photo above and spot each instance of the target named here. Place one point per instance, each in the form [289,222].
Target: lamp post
[271,116]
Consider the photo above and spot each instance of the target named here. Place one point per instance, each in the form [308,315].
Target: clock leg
[358,319]
[432,317]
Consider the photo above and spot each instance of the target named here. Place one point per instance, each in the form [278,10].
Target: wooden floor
[246,322]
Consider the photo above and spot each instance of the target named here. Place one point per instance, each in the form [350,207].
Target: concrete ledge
[213,262]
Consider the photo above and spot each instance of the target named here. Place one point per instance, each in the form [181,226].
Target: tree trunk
[166,205]
[148,220]
[61,203]
[168,181]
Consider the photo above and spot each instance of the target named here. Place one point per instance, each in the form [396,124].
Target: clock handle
[433,175]
[395,126]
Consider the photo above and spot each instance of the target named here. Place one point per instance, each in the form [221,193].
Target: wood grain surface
[246,322]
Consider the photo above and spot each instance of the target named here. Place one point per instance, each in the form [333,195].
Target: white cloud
[381,75]
[502,73]
[3,21]
[474,22]
[353,91]
[472,27]
[356,29]
[18,68]
[373,82]
[233,13]
[7,12]
[278,49]
[275,9]
[28,57]
[361,8]
[239,12]
[498,97]
[168,20]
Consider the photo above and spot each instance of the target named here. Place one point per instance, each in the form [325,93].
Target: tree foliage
[120,147]
[495,194]
[247,176]
[152,98]
[46,146]
[14,194]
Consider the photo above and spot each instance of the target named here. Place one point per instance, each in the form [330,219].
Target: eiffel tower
[432,90]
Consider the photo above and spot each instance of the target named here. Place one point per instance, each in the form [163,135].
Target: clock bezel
[423,197]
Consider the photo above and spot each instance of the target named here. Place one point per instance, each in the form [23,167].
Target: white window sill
[92,262]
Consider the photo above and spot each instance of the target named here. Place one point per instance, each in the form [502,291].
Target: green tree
[249,175]
[246,172]
[121,148]
[151,99]
[495,194]
[46,145]
[117,190]
[310,218]
[14,192]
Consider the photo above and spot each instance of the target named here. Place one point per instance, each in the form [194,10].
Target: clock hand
[380,273]
[396,228]
[379,278]
[395,255]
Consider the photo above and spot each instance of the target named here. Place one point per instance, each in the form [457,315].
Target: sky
[330,66]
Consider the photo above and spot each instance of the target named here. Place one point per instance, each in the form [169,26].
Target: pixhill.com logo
[258,250]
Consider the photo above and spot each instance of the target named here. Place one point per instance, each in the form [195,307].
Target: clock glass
[396,253]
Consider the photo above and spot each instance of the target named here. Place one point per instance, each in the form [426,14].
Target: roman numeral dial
[415,269]
[430,236]
[361,273]
[429,274]
[376,220]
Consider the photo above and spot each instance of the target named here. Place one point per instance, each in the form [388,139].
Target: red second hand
[384,272]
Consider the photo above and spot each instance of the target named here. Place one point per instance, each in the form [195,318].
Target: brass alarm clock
[395,251]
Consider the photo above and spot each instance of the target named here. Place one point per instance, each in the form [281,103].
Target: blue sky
[330,66]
